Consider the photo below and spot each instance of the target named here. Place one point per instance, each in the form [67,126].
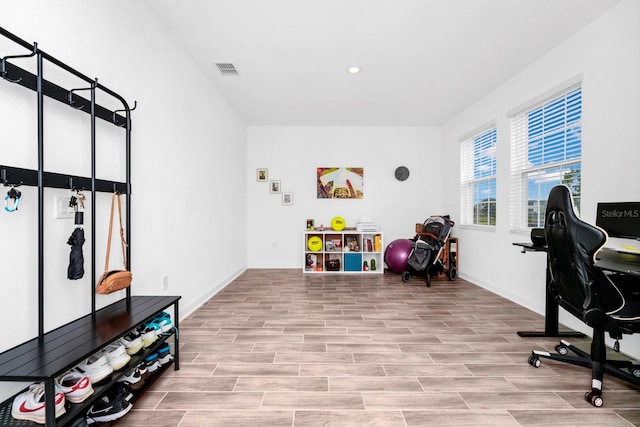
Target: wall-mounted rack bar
[12,176]
[53,91]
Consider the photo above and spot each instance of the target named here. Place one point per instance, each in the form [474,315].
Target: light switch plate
[61,208]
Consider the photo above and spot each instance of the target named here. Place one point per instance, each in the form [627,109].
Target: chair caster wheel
[593,398]
[406,276]
[534,361]
[562,349]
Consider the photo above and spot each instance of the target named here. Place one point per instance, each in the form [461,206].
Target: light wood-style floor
[279,348]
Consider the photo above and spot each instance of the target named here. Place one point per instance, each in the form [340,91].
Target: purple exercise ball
[397,254]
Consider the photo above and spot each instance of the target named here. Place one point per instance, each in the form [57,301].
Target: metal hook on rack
[128,110]
[3,64]
[70,94]
[5,180]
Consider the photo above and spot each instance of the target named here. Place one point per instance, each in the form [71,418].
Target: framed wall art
[340,183]
[287,198]
[262,174]
[274,186]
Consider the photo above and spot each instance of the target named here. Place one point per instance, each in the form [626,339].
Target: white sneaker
[132,342]
[96,367]
[148,335]
[30,405]
[116,355]
[75,386]
[132,379]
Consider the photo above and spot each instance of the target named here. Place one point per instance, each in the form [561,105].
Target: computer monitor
[621,219]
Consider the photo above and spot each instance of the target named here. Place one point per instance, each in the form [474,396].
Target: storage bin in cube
[352,262]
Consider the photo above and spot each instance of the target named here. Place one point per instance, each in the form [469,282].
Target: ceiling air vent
[227,68]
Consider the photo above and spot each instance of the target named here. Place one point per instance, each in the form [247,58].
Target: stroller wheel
[406,276]
[452,273]
[428,278]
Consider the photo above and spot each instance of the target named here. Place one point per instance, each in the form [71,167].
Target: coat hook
[5,180]
[113,116]
[70,94]
[71,102]
[3,65]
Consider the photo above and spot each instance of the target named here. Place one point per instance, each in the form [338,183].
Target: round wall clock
[402,173]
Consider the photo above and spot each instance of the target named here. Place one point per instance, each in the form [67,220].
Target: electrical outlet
[165,283]
[62,209]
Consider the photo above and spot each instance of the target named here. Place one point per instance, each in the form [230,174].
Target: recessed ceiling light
[353,70]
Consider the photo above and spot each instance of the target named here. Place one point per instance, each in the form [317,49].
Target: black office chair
[606,302]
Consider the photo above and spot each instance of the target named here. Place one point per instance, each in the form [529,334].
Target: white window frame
[477,150]
[552,172]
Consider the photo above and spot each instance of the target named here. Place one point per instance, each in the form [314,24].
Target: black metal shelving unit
[52,353]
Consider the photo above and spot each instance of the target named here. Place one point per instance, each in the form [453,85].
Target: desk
[551,305]
[618,262]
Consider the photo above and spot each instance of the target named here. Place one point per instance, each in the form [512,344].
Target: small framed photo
[274,186]
[262,174]
[287,198]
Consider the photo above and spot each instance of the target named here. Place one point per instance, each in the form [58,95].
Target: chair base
[625,370]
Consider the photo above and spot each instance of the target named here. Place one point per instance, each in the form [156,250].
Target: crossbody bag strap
[122,239]
[106,262]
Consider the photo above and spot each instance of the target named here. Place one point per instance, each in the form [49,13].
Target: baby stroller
[427,245]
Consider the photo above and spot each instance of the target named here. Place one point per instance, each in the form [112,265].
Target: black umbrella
[76,258]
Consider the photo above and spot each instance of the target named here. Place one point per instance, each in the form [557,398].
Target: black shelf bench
[42,359]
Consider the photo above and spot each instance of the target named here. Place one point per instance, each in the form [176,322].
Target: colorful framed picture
[262,174]
[340,183]
[287,198]
[274,186]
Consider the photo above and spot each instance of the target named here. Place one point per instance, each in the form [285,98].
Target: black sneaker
[119,391]
[105,409]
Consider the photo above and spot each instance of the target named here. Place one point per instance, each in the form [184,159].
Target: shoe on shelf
[132,379]
[96,367]
[30,405]
[116,355]
[148,335]
[155,325]
[164,354]
[152,363]
[107,409]
[132,342]
[119,391]
[163,319]
[75,386]
[144,372]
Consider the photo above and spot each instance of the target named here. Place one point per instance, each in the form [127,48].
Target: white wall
[292,154]
[606,53]
[188,157]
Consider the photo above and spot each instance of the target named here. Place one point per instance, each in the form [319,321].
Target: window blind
[546,149]
[478,179]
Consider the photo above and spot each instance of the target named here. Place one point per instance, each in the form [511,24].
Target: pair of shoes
[110,407]
[116,355]
[96,367]
[132,379]
[75,386]
[30,405]
[119,391]
[132,342]
[164,354]
[152,363]
[159,359]
[135,377]
[148,334]
[163,319]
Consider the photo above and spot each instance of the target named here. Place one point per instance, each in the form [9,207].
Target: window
[546,148]
[478,179]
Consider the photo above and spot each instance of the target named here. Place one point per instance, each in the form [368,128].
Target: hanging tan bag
[114,280]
